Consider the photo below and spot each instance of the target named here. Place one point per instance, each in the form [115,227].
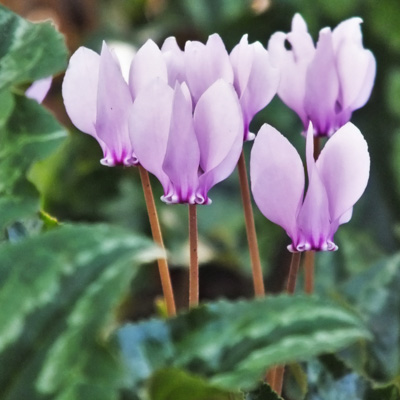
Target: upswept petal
[322,85]
[368,84]
[256,80]
[39,89]
[218,125]
[310,162]
[356,65]
[301,41]
[113,101]
[174,59]
[343,166]
[124,53]
[313,221]
[204,64]
[241,59]
[149,123]
[356,68]
[147,65]
[292,85]
[79,89]
[348,30]
[217,120]
[182,156]
[277,178]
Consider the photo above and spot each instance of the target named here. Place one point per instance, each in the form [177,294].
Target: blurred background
[76,187]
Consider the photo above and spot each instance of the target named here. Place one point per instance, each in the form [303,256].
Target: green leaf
[233,343]
[376,294]
[57,294]
[175,384]
[16,208]
[330,379]
[6,106]
[388,392]
[31,133]
[28,51]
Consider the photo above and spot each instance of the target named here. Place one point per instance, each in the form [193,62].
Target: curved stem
[194,261]
[157,237]
[309,272]
[290,288]
[278,381]
[258,282]
[292,277]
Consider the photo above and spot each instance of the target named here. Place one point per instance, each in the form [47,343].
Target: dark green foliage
[232,344]
[28,51]
[58,291]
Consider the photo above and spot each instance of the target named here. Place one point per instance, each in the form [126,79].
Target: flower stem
[258,282]
[290,288]
[157,237]
[317,147]
[278,381]
[250,229]
[294,268]
[194,261]
[309,272]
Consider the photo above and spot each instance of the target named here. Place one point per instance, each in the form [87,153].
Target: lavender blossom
[97,100]
[325,84]
[205,64]
[188,148]
[248,68]
[336,181]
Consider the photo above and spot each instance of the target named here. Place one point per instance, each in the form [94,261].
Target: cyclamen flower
[248,68]
[205,64]
[189,149]
[323,85]
[336,181]
[97,100]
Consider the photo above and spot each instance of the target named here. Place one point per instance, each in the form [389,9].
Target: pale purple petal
[147,65]
[256,80]
[348,30]
[293,64]
[310,162]
[241,59]
[356,68]
[277,178]
[368,83]
[356,65]
[322,86]
[182,156]
[346,217]
[113,102]
[149,124]
[79,89]
[344,169]
[39,89]
[313,221]
[300,40]
[124,53]
[218,125]
[174,59]
[204,64]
